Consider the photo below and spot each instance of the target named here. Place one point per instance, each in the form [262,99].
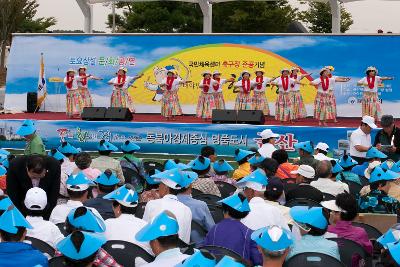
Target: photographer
[388,138]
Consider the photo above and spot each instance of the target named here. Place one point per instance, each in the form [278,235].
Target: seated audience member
[321,151]
[273,193]
[63,196]
[171,183]
[104,161]
[261,213]
[274,243]
[106,183]
[13,251]
[69,152]
[269,166]
[231,233]
[35,202]
[377,200]
[201,257]
[80,248]
[210,153]
[347,163]
[205,183]
[326,183]
[150,187]
[34,171]
[387,139]
[255,161]
[125,225]
[221,169]
[77,187]
[305,150]
[373,154]
[242,157]
[313,224]
[285,167]
[343,212]
[336,170]
[128,160]
[394,190]
[390,238]
[268,139]
[83,161]
[162,234]
[302,188]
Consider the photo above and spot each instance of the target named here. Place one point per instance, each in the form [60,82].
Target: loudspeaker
[251,117]
[93,113]
[31,102]
[118,114]
[224,116]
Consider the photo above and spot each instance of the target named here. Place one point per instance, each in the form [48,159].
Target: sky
[368,15]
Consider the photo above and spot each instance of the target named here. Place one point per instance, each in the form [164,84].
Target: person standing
[206,102]
[34,144]
[283,105]
[82,79]
[388,138]
[370,101]
[75,102]
[331,90]
[360,139]
[299,109]
[217,89]
[268,139]
[260,101]
[243,88]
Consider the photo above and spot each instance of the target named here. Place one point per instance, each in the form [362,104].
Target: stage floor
[269,120]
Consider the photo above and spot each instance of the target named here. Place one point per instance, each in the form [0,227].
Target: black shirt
[103,206]
[384,139]
[303,191]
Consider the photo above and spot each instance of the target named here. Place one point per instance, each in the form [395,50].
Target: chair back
[196,192]
[372,232]
[62,228]
[208,198]
[354,187]
[134,178]
[220,252]
[57,262]
[125,253]
[313,259]
[40,245]
[140,210]
[328,196]
[216,212]
[302,202]
[198,233]
[225,188]
[352,253]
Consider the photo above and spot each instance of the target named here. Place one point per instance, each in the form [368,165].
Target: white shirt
[332,84]
[168,258]
[326,185]
[239,84]
[296,86]
[79,81]
[321,157]
[44,230]
[172,204]
[278,82]
[68,166]
[266,150]
[74,84]
[128,80]
[175,84]
[358,137]
[210,88]
[318,82]
[265,81]
[61,211]
[378,81]
[221,82]
[125,228]
[285,211]
[263,214]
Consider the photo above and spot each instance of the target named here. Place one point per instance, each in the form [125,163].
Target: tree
[319,18]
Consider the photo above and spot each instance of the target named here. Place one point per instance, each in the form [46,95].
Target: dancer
[74,99]
[283,105]
[217,89]
[120,97]
[259,99]
[370,101]
[206,102]
[331,91]
[170,106]
[243,88]
[82,80]
[298,107]
[323,107]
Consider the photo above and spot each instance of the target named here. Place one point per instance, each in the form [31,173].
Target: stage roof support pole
[87,12]
[206,9]
[335,11]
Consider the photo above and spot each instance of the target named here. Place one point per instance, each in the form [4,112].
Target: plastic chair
[134,178]
[40,245]
[198,233]
[208,198]
[126,253]
[313,259]
[196,192]
[328,196]
[140,210]
[220,252]
[62,228]
[349,249]
[354,187]
[302,202]
[57,262]
[372,232]
[225,188]
[216,212]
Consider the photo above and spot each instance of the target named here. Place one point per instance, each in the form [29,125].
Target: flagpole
[41,84]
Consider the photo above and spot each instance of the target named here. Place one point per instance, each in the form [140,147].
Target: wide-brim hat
[206,72]
[124,69]
[27,128]
[294,68]
[82,67]
[322,70]
[285,69]
[245,71]
[71,70]
[259,70]
[216,72]
[371,68]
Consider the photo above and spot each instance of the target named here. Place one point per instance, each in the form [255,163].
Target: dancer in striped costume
[206,102]
[243,88]
[298,107]
[74,99]
[83,79]
[331,91]
[259,99]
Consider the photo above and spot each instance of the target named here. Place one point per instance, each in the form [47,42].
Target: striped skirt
[120,98]
[243,101]
[332,99]
[371,105]
[219,100]
[74,103]
[260,102]
[323,107]
[86,97]
[298,107]
[205,105]
[283,107]
[170,104]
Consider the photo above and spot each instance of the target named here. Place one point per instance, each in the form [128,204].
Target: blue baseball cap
[5,203]
[175,178]
[78,182]
[162,225]
[241,154]
[87,222]
[373,152]
[256,159]
[106,146]
[227,261]
[125,195]
[309,215]
[107,178]
[306,146]
[151,180]
[346,161]
[394,249]
[391,165]
[391,236]
[91,244]
[128,146]
[236,203]
[199,258]
[336,168]
[257,180]
[56,154]
[378,174]
[272,238]
[67,148]
[198,165]
[28,127]
[170,164]
[222,166]
[11,219]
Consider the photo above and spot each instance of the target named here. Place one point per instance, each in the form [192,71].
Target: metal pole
[113,15]
[335,11]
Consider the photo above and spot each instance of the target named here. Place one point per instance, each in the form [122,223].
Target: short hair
[234,213]
[76,194]
[34,213]
[273,254]
[375,185]
[105,152]
[314,231]
[77,239]
[36,163]
[124,209]
[207,151]
[270,166]
[322,151]
[170,241]
[324,169]
[348,204]
[387,120]
[266,141]
[175,192]
[83,160]
[280,155]
[9,237]
[106,188]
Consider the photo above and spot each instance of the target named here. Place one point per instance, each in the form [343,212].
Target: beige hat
[71,70]
[215,72]
[206,72]
[371,166]
[82,67]
[306,171]
[35,199]
[124,69]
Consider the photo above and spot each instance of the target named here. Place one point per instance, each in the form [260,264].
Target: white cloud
[163,51]
[288,43]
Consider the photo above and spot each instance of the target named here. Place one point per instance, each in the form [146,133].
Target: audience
[242,157]
[273,193]
[150,188]
[285,168]
[63,196]
[68,165]
[347,163]
[83,161]
[128,160]
[204,184]
[326,183]
[321,151]
[373,154]
[305,150]
[34,144]
[388,138]
[210,153]
[221,169]
[360,139]
[255,161]
[268,139]
[302,188]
